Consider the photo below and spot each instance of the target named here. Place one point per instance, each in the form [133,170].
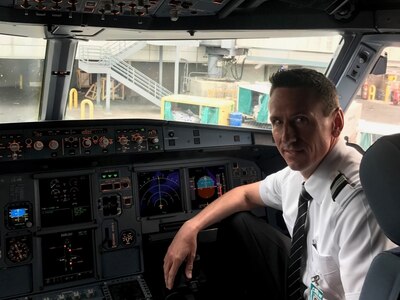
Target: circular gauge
[206,187]
[54,183]
[128,237]
[159,192]
[18,249]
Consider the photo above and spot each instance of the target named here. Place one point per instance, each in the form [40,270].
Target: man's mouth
[291,150]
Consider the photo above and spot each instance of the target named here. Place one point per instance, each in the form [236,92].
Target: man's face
[301,132]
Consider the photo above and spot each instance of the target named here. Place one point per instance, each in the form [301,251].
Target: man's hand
[183,247]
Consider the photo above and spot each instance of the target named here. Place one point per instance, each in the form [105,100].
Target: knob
[155,140]
[14,146]
[38,145]
[53,145]
[137,138]
[104,142]
[86,143]
[123,140]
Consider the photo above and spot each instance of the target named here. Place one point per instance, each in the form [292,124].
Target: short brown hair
[308,78]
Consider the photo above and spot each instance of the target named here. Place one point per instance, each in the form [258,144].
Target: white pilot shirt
[343,236]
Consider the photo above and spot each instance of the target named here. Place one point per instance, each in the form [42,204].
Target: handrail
[108,56]
[138,78]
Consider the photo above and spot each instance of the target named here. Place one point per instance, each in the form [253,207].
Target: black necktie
[294,289]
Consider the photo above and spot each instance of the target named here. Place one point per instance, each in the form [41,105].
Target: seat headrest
[380,178]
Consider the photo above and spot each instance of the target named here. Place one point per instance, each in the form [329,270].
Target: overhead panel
[141,8]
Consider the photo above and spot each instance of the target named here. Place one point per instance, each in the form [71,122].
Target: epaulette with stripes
[338,184]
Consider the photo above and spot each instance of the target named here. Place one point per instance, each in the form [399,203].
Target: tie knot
[304,195]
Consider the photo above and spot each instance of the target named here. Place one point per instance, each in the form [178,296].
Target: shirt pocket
[328,271]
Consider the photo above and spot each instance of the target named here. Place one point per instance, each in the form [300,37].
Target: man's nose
[288,133]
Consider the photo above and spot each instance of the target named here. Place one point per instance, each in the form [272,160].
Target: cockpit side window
[21,73]
[375,110]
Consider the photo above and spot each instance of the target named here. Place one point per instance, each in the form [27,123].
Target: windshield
[221,82]
[21,71]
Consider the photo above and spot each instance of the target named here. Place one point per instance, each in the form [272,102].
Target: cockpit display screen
[206,185]
[67,256]
[160,192]
[18,216]
[65,200]
[16,213]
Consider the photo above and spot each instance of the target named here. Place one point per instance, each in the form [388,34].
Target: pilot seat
[380,177]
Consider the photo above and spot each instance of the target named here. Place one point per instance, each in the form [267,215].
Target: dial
[18,249]
[14,146]
[53,144]
[104,142]
[138,138]
[38,145]
[54,183]
[123,140]
[86,142]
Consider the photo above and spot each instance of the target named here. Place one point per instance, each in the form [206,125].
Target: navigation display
[206,185]
[65,200]
[159,192]
[67,256]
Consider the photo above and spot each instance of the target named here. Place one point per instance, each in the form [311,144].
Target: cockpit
[120,120]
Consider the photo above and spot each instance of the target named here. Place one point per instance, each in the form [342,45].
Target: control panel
[137,8]
[53,142]
[131,287]
[68,227]
[76,229]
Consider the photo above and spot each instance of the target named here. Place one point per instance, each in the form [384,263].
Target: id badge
[315,293]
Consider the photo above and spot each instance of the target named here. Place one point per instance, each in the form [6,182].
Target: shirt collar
[325,173]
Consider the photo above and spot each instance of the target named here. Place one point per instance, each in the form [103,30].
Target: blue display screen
[18,212]
[18,216]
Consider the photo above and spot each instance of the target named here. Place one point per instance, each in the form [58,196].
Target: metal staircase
[109,59]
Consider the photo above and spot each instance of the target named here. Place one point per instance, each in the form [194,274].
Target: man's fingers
[189,267]
[170,271]
[166,268]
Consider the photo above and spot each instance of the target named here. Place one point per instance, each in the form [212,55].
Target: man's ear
[338,122]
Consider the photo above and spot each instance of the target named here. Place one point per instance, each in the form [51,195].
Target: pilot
[329,251]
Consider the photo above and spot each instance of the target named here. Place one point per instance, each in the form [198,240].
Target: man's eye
[300,120]
[276,122]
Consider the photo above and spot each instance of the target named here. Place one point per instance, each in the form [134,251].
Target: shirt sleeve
[360,239]
[271,188]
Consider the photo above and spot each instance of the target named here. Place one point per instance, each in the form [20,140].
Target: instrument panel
[53,143]
[136,8]
[76,215]
[46,140]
